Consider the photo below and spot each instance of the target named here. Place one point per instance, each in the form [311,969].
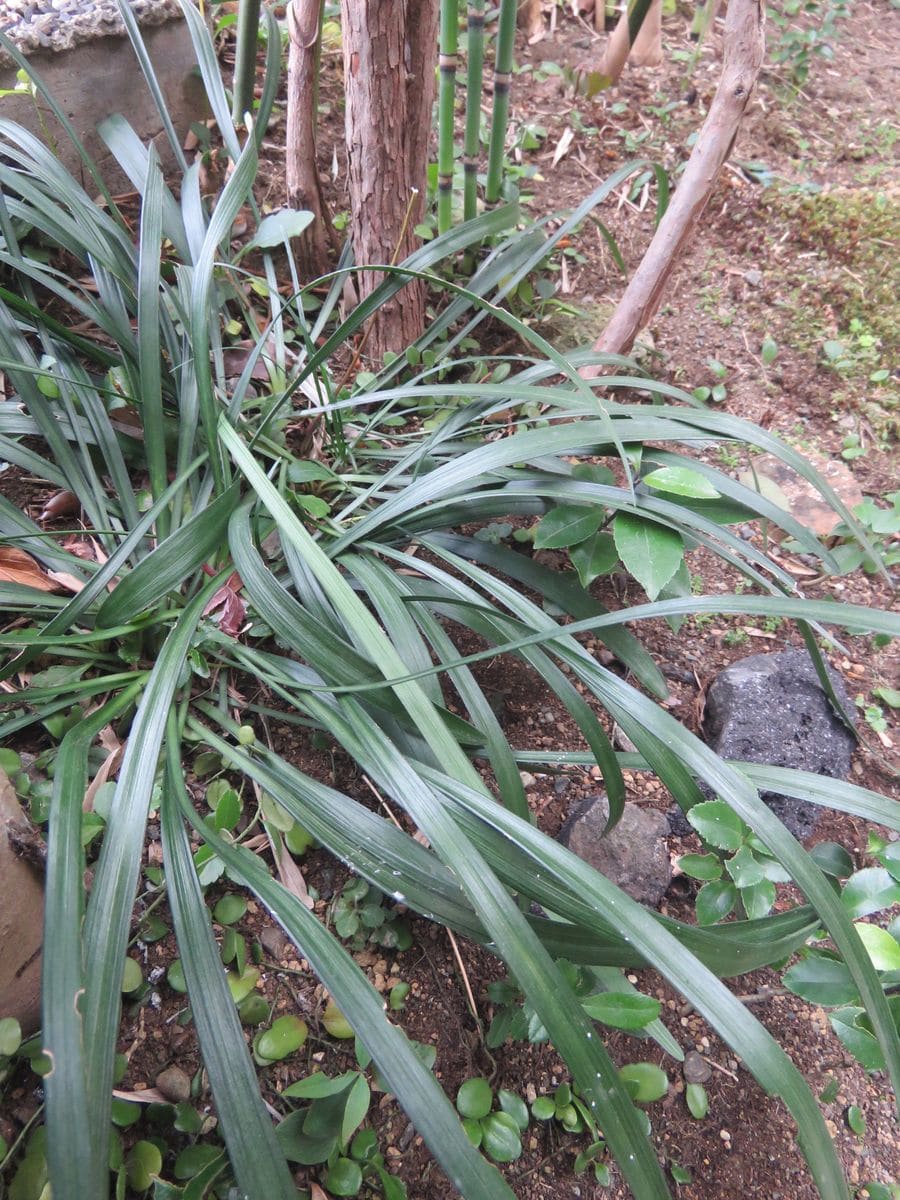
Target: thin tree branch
[744,49]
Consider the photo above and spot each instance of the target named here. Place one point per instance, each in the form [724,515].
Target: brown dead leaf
[18,567]
[66,581]
[317,1193]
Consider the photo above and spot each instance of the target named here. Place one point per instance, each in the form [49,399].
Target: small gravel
[59,25]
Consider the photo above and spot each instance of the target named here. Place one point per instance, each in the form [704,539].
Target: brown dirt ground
[737,282]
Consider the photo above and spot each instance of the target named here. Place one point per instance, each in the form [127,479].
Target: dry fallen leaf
[66,581]
[60,505]
[18,567]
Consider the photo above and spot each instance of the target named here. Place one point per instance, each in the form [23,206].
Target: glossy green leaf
[701,866]
[681,481]
[822,981]
[697,1100]
[882,949]
[648,550]
[622,1010]
[500,1137]
[595,556]
[567,525]
[715,901]
[284,1037]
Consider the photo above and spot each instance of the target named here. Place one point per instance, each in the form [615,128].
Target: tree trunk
[304,186]
[389,68]
[744,48]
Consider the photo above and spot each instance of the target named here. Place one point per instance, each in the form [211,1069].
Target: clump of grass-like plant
[356,643]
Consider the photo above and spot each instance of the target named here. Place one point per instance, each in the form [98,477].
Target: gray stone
[634,855]
[771,708]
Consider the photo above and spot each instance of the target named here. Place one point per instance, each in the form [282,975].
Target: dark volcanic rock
[770,708]
[634,855]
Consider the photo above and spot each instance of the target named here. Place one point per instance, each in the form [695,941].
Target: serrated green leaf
[757,900]
[701,866]
[281,226]
[718,824]
[745,868]
[567,525]
[649,551]
[622,1010]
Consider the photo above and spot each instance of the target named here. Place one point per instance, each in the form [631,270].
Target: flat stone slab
[783,486]
[771,708]
[634,855]
[80,51]
[59,25]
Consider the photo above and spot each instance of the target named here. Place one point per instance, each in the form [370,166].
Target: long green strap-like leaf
[108,916]
[412,1083]
[256,1155]
[571,1032]
[759,1051]
[78,1166]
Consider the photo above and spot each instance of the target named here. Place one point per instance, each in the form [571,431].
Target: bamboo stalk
[246,40]
[474,73]
[449,39]
[503,65]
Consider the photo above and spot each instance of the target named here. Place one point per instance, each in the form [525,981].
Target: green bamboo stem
[474,72]
[246,40]
[449,39]
[503,66]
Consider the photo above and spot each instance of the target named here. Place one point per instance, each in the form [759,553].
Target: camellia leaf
[567,525]
[622,1010]
[596,555]
[883,949]
[682,481]
[824,981]
[650,552]
[718,824]
[697,1100]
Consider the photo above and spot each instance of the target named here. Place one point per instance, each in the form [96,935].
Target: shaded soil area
[793,248]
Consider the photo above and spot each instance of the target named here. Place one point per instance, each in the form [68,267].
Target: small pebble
[174,1084]
[695,1068]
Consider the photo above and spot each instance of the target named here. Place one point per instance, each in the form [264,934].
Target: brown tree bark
[390,51]
[744,48]
[304,186]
